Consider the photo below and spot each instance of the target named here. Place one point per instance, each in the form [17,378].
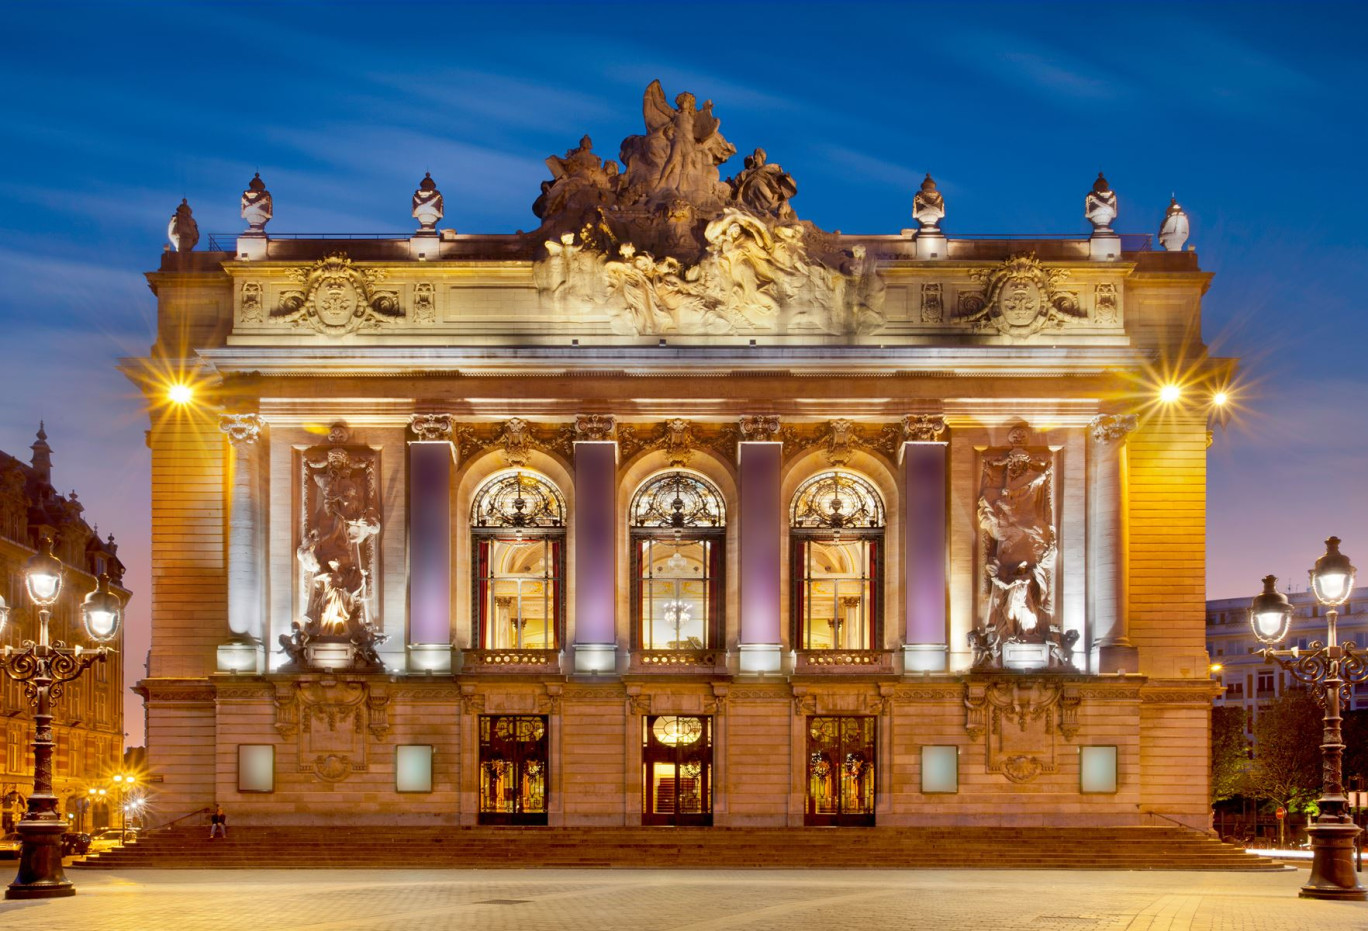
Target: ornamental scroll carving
[1016,626]
[664,245]
[1020,298]
[241,429]
[594,427]
[333,724]
[922,428]
[335,297]
[432,428]
[1020,720]
[1109,428]
[338,557]
[679,439]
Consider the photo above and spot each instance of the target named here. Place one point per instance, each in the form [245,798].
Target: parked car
[9,846]
[109,838]
[75,844]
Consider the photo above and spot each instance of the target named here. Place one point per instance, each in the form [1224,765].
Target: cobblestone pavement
[683,900]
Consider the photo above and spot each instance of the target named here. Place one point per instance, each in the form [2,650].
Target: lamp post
[123,782]
[45,667]
[1329,669]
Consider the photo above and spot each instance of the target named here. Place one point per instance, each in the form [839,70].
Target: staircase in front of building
[1117,848]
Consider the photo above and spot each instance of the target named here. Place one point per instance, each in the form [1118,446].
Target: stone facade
[88,722]
[919,498]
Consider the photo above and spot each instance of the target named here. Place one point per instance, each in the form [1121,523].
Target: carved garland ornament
[1020,297]
[1018,718]
[336,297]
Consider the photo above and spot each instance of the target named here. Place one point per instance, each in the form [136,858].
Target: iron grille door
[676,759]
[840,771]
[513,769]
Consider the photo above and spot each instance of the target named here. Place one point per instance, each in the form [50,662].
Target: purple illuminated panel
[430,542]
[762,524]
[595,516]
[925,541]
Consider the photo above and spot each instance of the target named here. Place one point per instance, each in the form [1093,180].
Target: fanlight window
[837,522]
[677,525]
[518,526]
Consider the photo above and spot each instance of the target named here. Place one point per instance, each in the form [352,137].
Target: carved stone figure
[1018,552]
[183,231]
[336,297]
[1105,313]
[928,206]
[932,303]
[1099,206]
[764,188]
[1173,232]
[1020,298]
[257,205]
[580,182]
[427,204]
[679,153]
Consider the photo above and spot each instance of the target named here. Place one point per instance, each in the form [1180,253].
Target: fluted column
[595,545]
[432,456]
[1108,545]
[925,516]
[244,651]
[760,458]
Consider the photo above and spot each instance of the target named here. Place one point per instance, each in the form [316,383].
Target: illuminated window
[518,526]
[678,523]
[837,523]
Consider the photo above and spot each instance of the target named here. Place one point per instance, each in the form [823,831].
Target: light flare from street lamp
[1170,393]
[180,394]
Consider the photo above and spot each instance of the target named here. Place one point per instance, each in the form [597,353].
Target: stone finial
[42,455]
[257,205]
[928,206]
[1099,206]
[1173,232]
[427,204]
[183,231]
[242,429]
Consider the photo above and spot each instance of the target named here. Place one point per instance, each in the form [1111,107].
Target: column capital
[759,428]
[1109,428]
[433,428]
[242,429]
[922,428]
[595,428]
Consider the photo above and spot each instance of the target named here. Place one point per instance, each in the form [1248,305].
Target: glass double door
[676,759]
[840,771]
[513,769]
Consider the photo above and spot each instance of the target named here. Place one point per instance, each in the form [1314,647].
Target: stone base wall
[1018,739]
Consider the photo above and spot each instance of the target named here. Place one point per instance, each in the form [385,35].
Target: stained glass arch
[520,499]
[837,500]
[676,500]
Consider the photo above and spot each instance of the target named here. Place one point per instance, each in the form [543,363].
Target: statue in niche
[427,204]
[183,231]
[1099,206]
[928,206]
[1019,550]
[335,553]
[257,205]
[1173,233]
[680,152]
[764,188]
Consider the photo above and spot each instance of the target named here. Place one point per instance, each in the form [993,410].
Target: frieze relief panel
[1021,721]
[333,724]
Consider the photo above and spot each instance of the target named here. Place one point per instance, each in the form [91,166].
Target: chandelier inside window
[518,499]
[837,501]
[675,500]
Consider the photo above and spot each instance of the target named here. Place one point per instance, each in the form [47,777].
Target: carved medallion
[1020,298]
[336,297]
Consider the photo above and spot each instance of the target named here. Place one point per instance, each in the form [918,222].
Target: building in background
[679,510]
[1248,682]
[88,717]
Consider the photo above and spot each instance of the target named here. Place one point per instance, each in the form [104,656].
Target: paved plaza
[684,900]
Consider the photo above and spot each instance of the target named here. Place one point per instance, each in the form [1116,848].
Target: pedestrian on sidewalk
[218,823]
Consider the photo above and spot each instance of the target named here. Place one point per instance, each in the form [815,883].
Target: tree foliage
[1229,753]
[1287,757]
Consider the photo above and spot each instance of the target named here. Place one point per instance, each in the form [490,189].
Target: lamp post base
[1332,863]
[40,863]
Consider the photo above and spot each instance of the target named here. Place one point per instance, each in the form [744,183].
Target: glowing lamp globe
[1270,613]
[1333,577]
[43,575]
[101,612]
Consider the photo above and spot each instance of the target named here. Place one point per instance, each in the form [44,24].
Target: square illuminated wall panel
[940,770]
[1097,770]
[256,768]
[413,768]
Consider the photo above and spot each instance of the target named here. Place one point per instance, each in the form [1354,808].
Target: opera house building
[680,510]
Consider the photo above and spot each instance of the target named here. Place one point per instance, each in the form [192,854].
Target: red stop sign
[1282,813]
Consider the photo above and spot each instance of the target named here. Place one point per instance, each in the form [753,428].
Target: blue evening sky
[1252,114]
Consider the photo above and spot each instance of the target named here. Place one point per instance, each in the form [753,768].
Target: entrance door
[676,759]
[840,771]
[513,765]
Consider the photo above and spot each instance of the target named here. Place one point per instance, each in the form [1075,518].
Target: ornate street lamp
[44,667]
[123,783]
[1329,668]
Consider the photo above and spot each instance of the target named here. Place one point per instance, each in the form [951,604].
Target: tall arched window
[678,523]
[518,525]
[836,530]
